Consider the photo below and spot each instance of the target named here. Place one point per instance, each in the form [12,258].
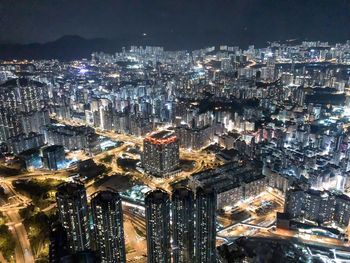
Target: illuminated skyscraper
[161,153]
[205,248]
[58,243]
[106,208]
[22,95]
[183,225]
[74,215]
[10,124]
[53,157]
[21,107]
[157,205]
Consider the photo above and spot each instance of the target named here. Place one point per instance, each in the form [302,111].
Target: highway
[251,64]
[23,251]
[16,201]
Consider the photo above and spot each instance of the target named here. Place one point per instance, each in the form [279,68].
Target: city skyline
[151,155]
[174,131]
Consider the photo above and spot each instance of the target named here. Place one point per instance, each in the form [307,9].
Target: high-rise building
[53,157]
[299,96]
[58,243]
[161,153]
[322,207]
[205,248]
[31,158]
[23,142]
[74,215]
[21,104]
[10,124]
[106,208]
[35,121]
[157,205]
[87,256]
[71,137]
[22,95]
[183,225]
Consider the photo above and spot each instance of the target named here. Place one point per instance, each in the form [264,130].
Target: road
[16,201]
[23,251]
[251,64]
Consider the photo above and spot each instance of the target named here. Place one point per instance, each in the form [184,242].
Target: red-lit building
[160,153]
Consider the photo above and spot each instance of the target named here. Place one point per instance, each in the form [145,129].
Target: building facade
[157,205]
[205,241]
[74,215]
[53,157]
[106,208]
[183,225]
[160,153]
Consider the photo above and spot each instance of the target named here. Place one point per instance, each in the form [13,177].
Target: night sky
[234,21]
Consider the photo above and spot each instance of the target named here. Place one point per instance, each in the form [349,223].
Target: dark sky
[27,21]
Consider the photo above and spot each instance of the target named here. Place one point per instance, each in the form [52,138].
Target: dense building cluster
[192,228]
[319,207]
[193,225]
[267,118]
[107,236]
[233,182]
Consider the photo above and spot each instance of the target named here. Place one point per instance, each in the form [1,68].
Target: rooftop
[161,137]
[157,196]
[229,176]
[106,196]
[53,148]
[70,189]
[164,134]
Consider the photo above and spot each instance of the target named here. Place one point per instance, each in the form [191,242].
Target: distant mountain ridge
[72,47]
[64,48]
